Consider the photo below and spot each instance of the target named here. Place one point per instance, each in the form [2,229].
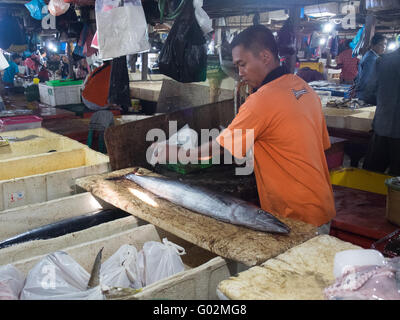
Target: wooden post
[145,63]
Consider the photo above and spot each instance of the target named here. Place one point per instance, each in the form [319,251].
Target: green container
[188,168]
[59,83]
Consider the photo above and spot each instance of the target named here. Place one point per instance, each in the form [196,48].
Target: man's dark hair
[42,50]
[15,56]
[378,37]
[255,39]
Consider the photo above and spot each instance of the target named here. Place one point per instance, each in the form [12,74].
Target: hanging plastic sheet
[121,27]
[3,62]
[358,41]
[119,93]
[202,17]
[184,55]
[58,7]
[335,46]
[35,8]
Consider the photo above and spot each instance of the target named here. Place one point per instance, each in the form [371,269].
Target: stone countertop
[301,273]
[229,241]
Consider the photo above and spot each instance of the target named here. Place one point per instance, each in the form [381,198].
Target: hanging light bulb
[328,27]
[392,46]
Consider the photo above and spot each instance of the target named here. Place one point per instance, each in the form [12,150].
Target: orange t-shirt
[290,137]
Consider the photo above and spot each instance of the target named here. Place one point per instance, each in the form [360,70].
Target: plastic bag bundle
[186,138]
[364,275]
[160,260]
[35,8]
[58,7]
[184,54]
[122,269]
[121,28]
[11,282]
[3,62]
[202,17]
[59,277]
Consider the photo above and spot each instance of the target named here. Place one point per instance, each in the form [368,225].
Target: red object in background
[43,75]
[360,216]
[20,122]
[335,154]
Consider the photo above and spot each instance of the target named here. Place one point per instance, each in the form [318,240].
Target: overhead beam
[221,8]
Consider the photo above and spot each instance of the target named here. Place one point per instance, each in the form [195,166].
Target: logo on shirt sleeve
[299,93]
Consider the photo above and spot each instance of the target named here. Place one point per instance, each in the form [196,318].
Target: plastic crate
[20,123]
[60,95]
[360,179]
[59,83]
[187,168]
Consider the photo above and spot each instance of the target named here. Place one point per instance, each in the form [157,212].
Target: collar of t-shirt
[377,55]
[274,74]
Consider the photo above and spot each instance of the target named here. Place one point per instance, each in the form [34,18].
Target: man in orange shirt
[285,117]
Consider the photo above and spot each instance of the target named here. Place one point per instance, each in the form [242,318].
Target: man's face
[381,47]
[252,67]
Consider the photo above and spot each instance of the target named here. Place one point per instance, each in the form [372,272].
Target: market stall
[310,79]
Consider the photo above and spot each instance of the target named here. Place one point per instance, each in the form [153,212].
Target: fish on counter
[219,206]
[65,226]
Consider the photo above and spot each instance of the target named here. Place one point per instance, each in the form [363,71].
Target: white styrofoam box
[61,95]
[28,253]
[32,177]
[24,218]
[203,270]
[43,187]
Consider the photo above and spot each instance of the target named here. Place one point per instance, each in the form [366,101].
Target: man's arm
[162,151]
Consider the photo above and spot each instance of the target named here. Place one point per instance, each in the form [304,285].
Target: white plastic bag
[3,62]
[186,138]
[360,257]
[121,30]
[160,260]
[11,282]
[59,277]
[121,269]
[58,7]
[202,17]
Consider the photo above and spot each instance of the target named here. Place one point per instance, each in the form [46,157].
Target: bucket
[393,200]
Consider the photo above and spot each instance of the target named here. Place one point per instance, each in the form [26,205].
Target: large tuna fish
[216,205]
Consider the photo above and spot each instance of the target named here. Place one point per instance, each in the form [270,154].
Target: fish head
[270,222]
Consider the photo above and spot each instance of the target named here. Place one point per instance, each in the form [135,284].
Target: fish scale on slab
[238,243]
